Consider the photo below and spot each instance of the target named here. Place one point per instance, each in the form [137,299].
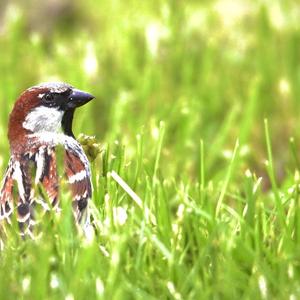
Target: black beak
[78,98]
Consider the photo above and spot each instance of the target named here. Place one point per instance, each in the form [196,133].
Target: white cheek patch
[43,119]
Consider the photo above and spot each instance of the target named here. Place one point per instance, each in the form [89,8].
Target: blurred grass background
[204,68]
[212,71]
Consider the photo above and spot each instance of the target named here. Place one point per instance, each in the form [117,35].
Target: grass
[196,188]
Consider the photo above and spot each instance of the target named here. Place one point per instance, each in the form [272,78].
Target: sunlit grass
[196,182]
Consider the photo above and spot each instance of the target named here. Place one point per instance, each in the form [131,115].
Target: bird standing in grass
[40,122]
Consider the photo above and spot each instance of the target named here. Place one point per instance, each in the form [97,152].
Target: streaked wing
[18,171]
[46,174]
[78,175]
[6,193]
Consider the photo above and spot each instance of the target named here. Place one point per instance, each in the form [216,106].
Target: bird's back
[36,169]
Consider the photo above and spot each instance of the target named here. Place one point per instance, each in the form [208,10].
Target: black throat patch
[67,121]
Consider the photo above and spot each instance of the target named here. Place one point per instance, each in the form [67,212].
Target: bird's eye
[49,97]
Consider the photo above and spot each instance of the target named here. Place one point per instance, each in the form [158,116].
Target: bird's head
[45,108]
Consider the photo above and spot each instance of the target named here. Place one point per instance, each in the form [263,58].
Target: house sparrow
[40,122]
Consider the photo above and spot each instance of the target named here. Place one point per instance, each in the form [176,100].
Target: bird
[40,123]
